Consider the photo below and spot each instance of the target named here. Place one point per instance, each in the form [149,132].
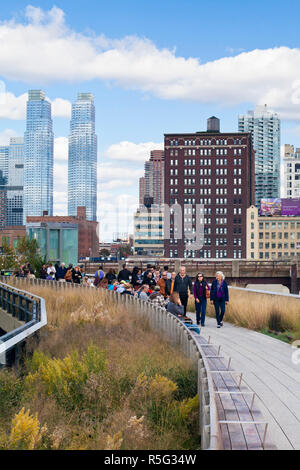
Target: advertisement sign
[290,207]
[269,207]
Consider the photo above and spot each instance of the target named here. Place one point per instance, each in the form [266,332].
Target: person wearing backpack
[69,274]
[99,275]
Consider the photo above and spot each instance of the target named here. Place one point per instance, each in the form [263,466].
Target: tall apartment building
[38,156]
[210,176]
[291,163]
[15,182]
[264,126]
[4,154]
[82,170]
[153,183]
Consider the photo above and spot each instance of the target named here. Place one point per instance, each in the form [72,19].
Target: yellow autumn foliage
[26,432]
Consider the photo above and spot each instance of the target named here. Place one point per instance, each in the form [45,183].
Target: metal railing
[195,347]
[25,307]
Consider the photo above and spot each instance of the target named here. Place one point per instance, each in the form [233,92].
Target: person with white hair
[219,297]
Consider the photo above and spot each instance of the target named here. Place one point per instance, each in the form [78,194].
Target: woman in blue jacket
[219,296]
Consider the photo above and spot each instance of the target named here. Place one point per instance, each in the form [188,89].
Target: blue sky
[154,67]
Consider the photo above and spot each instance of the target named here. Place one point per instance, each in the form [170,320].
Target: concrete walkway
[268,370]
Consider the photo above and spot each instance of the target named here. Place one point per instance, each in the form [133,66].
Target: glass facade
[38,156]
[15,183]
[264,126]
[82,169]
[69,246]
[57,242]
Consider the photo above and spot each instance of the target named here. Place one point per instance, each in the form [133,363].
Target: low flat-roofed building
[149,231]
[272,238]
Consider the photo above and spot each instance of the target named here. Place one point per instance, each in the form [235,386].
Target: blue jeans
[219,306]
[201,310]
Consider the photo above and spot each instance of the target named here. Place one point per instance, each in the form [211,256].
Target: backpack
[98,277]
[68,275]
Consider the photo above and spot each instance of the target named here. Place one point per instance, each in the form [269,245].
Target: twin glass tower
[82,188]
[38,157]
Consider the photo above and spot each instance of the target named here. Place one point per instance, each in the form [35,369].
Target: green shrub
[66,378]
[11,392]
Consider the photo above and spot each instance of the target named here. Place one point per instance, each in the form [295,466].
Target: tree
[28,251]
[8,259]
[104,253]
[124,251]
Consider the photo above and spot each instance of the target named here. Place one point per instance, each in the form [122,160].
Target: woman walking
[219,297]
[201,292]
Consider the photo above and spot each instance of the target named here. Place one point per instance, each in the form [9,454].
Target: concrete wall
[8,322]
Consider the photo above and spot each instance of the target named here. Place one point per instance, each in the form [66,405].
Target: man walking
[182,284]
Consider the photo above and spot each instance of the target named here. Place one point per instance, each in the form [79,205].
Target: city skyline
[135,109]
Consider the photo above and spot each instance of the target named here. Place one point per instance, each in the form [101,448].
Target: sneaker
[219,326]
[202,326]
[221,323]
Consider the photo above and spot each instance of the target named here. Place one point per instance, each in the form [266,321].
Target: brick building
[215,170]
[88,238]
[11,235]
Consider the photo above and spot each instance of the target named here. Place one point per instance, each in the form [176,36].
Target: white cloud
[115,207]
[6,135]
[44,49]
[129,151]
[14,107]
[107,173]
[61,108]
[61,148]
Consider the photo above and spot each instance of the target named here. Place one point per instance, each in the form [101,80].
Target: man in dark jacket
[149,280]
[124,274]
[181,285]
[219,296]
[61,272]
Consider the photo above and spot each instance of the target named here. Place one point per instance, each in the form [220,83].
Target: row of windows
[277,246]
[279,225]
[279,235]
[190,143]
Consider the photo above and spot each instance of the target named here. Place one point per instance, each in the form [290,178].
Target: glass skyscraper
[15,182]
[38,156]
[82,179]
[264,126]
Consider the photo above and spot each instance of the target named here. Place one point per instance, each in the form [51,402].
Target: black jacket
[150,282]
[110,277]
[124,275]
[181,285]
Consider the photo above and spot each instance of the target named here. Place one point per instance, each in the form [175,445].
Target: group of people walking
[169,289]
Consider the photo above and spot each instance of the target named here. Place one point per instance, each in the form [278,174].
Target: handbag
[207,292]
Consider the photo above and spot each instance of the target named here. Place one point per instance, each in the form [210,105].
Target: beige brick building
[272,238]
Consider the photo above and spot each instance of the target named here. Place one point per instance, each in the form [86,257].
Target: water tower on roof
[213,124]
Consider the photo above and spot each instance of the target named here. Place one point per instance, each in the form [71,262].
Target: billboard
[290,207]
[269,207]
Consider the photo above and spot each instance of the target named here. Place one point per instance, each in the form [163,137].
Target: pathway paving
[268,370]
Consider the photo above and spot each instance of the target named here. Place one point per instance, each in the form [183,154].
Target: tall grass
[258,311]
[98,378]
